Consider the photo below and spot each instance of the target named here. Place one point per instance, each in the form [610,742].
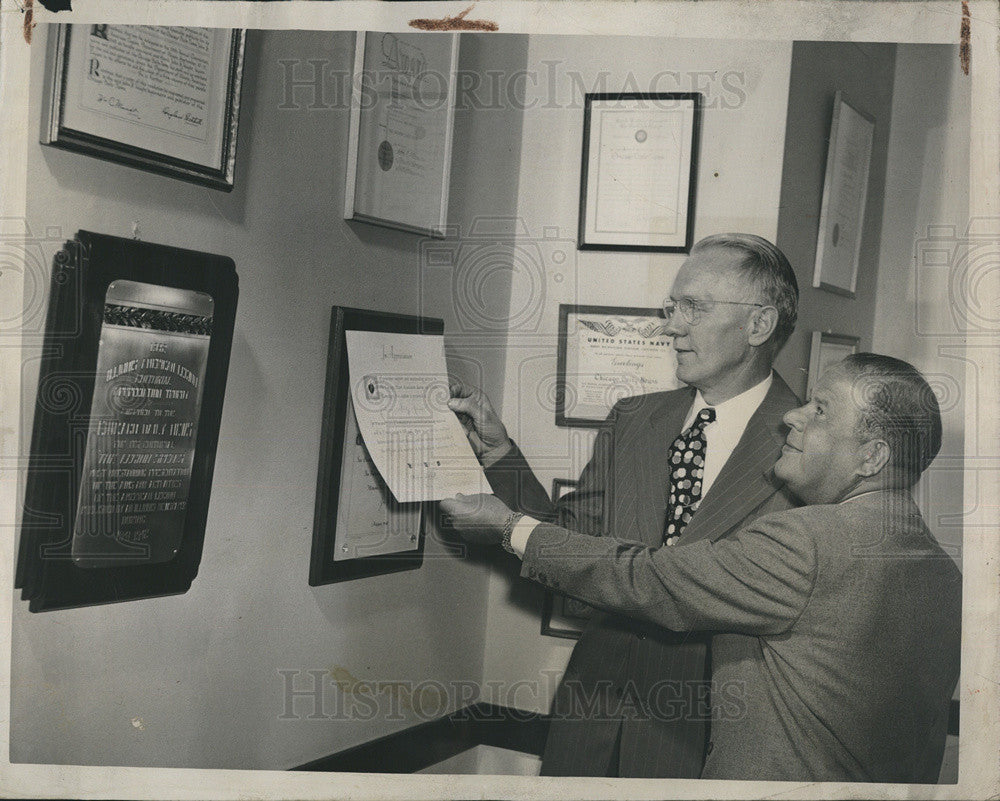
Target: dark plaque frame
[323,569]
[81,274]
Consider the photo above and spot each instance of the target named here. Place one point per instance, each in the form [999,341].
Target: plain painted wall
[192,680]
[920,312]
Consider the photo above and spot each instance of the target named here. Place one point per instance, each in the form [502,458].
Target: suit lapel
[746,480]
[652,484]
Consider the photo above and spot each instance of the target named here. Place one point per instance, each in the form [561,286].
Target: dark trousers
[609,769]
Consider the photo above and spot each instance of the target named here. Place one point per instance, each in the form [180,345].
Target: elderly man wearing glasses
[669,468]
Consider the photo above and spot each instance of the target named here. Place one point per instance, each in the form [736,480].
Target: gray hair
[899,406]
[767,269]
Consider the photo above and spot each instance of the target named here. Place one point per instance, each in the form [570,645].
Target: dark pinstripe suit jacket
[626,675]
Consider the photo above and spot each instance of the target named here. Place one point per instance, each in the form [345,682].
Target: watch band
[508,530]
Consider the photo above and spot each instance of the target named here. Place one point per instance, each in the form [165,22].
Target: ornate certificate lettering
[402,112]
[143,426]
[165,91]
[369,521]
[609,354]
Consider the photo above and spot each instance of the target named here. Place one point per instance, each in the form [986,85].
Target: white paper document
[639,177]
[399,385]
[151,86]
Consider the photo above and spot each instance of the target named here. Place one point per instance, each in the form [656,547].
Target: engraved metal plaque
[141,438]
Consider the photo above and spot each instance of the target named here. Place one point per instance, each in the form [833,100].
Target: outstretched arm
[756,582]
[512,480]
[508,472]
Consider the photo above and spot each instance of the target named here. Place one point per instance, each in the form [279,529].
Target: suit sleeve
[583,510]
[755,582]
[513,483]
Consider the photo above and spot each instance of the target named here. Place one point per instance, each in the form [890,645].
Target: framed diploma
[402,115]
[359,528]
[607,353]
[845,192]
[826,351]
[127,417]
[640,159]
[163,99]
[563,616]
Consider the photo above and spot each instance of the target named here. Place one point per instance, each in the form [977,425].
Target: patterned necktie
[687,467]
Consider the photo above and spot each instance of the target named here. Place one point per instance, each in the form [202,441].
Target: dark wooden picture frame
[826,349]
[565,611]
[56,134]
[563,387]
[587,170]
[49,572]
[323,567]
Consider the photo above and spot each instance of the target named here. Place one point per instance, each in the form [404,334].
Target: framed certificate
[563,616]
[163,99]
[359,529]
[402,115]
[640,159]
[845,192]
[607,353]
[826,350]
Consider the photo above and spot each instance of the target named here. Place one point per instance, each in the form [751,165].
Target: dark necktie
[687,468]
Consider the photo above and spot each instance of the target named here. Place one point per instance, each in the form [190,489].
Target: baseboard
[426,744]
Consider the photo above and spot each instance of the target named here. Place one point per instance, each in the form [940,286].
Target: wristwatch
[508,529]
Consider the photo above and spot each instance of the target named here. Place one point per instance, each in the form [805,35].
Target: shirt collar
[740,408]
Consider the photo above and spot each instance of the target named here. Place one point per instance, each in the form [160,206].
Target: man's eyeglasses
[693,310]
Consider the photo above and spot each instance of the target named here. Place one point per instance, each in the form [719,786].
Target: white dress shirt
[723,434]
[721,438]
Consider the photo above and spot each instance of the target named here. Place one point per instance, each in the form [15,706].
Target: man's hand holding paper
[399,387]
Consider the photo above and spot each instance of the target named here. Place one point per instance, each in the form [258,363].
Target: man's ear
[874,457]
[762,325]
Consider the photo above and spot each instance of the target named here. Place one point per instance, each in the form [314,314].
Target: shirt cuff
[519,536]
[494,455]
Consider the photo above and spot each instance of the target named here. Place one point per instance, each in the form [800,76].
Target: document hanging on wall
[359,529]
[826,350]
[402,122]
[607,353]
[129,402]
[845,192]
[163,99]
[563,616]
[640,162]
